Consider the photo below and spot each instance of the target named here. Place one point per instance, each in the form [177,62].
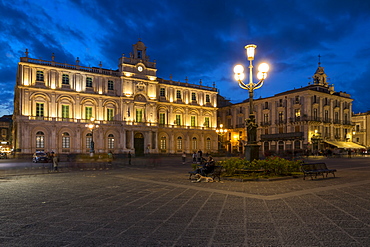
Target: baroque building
[132,110]
[361,131]
[6,137]
[311,118]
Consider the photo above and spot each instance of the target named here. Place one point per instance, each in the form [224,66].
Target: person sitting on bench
[207,168]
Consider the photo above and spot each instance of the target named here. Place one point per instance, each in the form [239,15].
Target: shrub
[274,166]
[231,164]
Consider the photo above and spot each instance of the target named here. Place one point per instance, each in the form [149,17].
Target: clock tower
[138,64]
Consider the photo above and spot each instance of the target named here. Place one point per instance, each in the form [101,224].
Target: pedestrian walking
[110,158]
[50,160]
[194,157]
[183,158]
[200,156]
[55,162]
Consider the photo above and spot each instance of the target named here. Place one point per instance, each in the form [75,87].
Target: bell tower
[320,78]
[139,52]
[138,62]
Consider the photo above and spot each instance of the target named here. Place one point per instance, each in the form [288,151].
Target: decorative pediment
[140,98]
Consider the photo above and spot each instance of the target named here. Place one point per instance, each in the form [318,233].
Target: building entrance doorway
[139,144]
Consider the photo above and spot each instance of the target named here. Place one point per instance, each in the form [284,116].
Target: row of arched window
[66,140]
[281,145]
[180,144]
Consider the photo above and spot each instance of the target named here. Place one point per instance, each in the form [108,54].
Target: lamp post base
[252,152]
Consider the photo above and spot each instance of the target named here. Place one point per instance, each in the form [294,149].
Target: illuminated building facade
[6,134]
[361,131]
[310,118]
[136,111]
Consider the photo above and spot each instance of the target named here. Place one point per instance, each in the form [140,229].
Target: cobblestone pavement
[156,205]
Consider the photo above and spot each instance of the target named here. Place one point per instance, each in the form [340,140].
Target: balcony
[265,123]
[282,136]
[327,120]
[280,121]
[70,66]
[112,122]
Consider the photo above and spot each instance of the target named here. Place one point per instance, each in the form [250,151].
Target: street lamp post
[251,148]
[221,132]
[92,126]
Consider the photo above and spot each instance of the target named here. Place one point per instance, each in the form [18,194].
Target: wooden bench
[216,173]
[312,169]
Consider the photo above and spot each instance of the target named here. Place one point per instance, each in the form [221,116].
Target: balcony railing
[70,66]
[280,121]
[319,119]
[282,136]
[265,123]
[113,122]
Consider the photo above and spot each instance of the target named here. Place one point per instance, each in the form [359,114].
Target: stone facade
[133,110]
[304,119]
[361,134]
[6,137]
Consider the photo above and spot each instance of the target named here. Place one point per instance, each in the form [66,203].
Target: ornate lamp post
[251,148]
[221,132]
[92,126]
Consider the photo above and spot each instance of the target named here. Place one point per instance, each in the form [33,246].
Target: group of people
[198,157]
[206,165]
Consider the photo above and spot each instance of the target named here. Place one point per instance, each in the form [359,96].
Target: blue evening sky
[198,39]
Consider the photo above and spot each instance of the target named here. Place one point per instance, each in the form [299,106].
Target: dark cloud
[198,39]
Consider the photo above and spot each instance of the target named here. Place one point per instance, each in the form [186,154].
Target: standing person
[129,157]
[194,157]
[110,158]
[55,162]
[200,156]
[183,158]
[50,159]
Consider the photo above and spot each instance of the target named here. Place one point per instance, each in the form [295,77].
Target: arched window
[110,141]
[179,144]
[65,140]
[40,139]
[266,146]
[208,143]
[163,145]
[194,143]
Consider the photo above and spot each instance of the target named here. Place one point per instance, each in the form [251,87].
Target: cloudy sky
[198,39]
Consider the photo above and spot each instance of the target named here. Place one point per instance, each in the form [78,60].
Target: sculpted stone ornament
[140,86]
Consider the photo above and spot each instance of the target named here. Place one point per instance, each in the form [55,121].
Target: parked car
[3,156]
[39,157]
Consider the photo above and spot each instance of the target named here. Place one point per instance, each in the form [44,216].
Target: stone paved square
[158,206]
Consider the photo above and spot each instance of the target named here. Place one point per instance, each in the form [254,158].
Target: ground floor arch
[139,144]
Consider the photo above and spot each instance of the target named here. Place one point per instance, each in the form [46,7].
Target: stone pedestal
[252,152]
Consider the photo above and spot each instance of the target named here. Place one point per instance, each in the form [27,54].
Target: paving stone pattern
[143,205]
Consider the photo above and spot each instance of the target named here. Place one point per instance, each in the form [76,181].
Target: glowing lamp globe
[238,69]
[263,67]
